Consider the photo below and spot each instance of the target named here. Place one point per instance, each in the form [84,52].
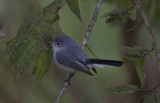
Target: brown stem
[90,27]
[149,29]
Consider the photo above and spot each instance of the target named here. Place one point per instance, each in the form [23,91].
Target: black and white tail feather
[101,63]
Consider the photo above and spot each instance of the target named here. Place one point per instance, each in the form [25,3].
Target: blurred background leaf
[120,14]
[74,7]
[122,89]
[23,46]
[42,64]
[24,56]
[149,100]
[140,66]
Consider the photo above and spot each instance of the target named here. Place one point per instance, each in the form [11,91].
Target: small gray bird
[70,57]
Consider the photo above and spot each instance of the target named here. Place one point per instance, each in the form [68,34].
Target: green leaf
[19,53]
[140,65]
[132,14]
[24,56]
[131,50]
[11,50]
[25,28]
[45,22]
[43,63]
[122,89]
[51,11]
[121,14]
[133,53]
[116,14]
[42,24]
[74,7]
[149,100]
[112,18]
[152,55]
[117,11]
[124,59]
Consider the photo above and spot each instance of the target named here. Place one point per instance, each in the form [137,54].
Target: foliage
[21,50]
[140,65]
[74,7]
[122,89]
[42,64]
[120,13]
[149,100]
[42,24]
[137,55]
[151,6]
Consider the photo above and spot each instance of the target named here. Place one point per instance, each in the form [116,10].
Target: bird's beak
[53,44]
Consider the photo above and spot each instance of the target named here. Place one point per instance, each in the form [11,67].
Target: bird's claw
[67,81]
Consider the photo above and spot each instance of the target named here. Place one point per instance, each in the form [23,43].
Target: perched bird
[70,57]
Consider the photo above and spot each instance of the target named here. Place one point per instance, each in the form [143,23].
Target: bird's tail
[101,63]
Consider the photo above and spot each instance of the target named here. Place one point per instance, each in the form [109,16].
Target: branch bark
[90,27]
[149,29]
[84,43]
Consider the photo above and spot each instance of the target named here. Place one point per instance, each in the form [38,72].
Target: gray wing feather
[75,59]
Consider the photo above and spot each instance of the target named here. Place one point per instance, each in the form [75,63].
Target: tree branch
[90,27]
[84,43]
[148,92]
[61,92]
[149,29]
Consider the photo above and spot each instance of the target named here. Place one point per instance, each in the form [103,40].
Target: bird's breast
[62,66]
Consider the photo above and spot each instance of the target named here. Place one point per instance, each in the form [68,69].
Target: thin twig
[149,29]
[141,98]
[148,92]
[154,88]
[148,52]
[85,40]
[136,26]
[61,92]
[91,51]
[84,43]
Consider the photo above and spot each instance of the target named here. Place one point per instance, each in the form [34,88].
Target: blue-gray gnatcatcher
[70,57]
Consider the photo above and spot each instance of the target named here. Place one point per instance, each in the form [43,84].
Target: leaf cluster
[137,55]
[42,25]
[121,14]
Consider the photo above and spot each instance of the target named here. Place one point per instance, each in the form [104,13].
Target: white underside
[61,66]
[102,65]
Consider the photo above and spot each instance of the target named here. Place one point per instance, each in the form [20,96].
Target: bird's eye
[58,43]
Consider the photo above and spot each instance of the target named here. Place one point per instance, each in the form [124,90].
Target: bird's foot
[67,81]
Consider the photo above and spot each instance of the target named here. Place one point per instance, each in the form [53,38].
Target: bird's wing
[73,59]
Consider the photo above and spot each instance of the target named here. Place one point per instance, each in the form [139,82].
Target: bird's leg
[69,78]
